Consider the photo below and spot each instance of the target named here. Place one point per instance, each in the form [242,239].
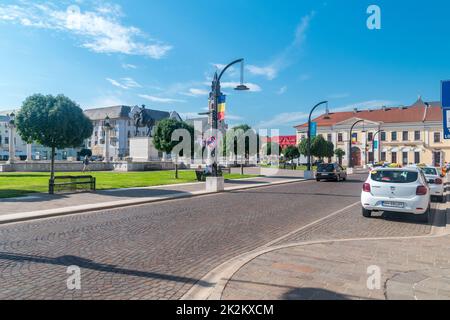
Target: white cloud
[193,92]
[128,66]
[338,95]
[283,119]
[282,90]
[269,72]
[295,118]
[124,83]
[99,30]
[159,99]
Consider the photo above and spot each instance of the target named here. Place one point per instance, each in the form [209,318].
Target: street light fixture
[350,164]
[214,98]
[12,118]
[309,133]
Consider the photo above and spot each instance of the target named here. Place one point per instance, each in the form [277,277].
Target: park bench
[71,183]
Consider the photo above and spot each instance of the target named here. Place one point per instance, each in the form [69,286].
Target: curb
[52,213]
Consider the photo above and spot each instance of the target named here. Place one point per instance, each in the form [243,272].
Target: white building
[123,128]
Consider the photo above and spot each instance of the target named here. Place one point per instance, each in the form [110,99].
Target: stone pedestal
[215,184]
[142,149]
[309,175]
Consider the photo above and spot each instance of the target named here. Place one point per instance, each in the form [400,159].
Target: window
[405,158]
[394,136]
[0,139]
[340,137]
[430,171]
[370,136]
[391,176]
[405,136]
[437,137]
[6,140]
[383,136]
[329,137]
[394,157]
[383,156]
[416,157]
[417,135]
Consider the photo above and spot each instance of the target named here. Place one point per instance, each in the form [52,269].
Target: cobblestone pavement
[38,202]
[156,251]
[410,269]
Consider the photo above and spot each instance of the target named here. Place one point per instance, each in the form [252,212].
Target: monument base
[215,184]
[309,175]
[142,149]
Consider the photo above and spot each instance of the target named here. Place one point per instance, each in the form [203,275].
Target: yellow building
[403,135]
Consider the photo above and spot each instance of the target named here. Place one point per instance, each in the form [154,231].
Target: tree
[236,135]
[319,147]
[85,153]
[339,154]
[330,150]
[54,122]
[291,152]
[269,146]
[162,138]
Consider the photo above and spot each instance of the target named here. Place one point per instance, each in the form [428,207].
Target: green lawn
[19,184]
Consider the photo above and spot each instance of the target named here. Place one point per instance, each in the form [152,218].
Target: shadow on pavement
[67,261]
[313,294]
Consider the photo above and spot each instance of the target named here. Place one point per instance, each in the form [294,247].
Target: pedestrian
[85,163]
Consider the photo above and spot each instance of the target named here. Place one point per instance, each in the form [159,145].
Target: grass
[20,184]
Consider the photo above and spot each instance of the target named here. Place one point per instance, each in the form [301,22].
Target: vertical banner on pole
[221,108]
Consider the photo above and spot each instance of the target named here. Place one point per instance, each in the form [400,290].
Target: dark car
[331,171]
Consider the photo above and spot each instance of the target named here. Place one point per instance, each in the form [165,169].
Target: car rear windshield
[394,176]
[430,171]
[325,168]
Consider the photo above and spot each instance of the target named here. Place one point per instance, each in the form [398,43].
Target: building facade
[123,128]
[403,135]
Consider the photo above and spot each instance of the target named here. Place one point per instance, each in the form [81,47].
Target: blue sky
[163,53]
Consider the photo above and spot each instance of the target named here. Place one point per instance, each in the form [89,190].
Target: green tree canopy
[85,152]
[291,152]
[55,122]
[269,146]
[320,148]
[330,150]
[162,138]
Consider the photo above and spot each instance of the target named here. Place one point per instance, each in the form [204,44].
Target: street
[160,250]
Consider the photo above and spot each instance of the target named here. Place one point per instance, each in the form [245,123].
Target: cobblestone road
[159,251]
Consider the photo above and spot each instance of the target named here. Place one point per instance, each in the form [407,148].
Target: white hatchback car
[402,190]
[435,182]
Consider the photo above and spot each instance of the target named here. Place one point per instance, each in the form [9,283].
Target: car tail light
[421,191]
[438,181]
[366,187]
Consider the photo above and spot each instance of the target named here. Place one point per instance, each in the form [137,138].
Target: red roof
[283,141]
[418,112]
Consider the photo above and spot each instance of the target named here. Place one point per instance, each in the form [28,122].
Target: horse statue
[141,120]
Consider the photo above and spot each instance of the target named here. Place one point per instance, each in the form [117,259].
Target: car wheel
[366,213]
[427,216]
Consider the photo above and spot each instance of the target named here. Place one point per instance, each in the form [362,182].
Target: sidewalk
[45,205]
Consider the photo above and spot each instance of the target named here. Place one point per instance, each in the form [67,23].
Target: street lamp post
[214,98]
[379,145]
[308,174]
[12,145]
[107,128]
[350,164]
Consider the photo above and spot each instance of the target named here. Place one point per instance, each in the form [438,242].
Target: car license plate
[393,204]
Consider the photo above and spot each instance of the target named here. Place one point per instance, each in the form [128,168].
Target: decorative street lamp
[350,164]
[12,145]
[107,128]
[214,100]
[379,145]
[308,173]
